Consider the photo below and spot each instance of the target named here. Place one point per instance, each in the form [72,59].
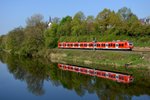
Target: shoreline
[116,59]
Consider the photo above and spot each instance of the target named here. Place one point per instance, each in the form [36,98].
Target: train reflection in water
[119,77]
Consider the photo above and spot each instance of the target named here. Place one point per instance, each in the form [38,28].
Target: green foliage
[65,26]
[50,36]
[107,26]
[13,41]
[2,42]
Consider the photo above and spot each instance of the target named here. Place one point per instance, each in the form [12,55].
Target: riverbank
[100,59]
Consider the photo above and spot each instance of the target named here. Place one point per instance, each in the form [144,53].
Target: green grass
[106,60]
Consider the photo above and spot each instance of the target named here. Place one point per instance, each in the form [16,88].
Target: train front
[130,45]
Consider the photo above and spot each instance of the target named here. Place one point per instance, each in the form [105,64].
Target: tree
[90,24]
[103,20]
[15,39]
[79,16]
[65,26]
[78,24]
[34,20]
[34,35]
[56,20]
[124,13]
[3,42]
[51,37]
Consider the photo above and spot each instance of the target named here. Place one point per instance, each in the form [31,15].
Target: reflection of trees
[105,89]
[34,72]
[35,84]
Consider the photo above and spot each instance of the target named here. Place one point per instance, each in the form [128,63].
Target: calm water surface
[34,79]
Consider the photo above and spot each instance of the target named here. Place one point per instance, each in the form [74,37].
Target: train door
[78,45]
[106,45]
[61,45]
[95,44]
[87,45]
[117,45]
[117,77]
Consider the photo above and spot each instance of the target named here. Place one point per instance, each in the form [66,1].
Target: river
[38,79]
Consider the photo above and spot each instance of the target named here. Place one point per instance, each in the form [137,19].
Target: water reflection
[115,76]
[31,72]
[34,72]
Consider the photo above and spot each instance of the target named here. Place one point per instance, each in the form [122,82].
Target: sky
[13,13]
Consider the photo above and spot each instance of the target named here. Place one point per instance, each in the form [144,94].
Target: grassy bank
[106,60]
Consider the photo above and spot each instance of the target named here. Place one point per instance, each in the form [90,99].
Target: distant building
[50,22]
[145,21]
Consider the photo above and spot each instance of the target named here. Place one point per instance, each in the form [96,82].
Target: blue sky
[13,13]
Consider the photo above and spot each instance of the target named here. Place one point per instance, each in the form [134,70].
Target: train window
[116,76]
[85,45]
[91,44]
[113,45]
[121,77]
[130,43]
[103,74]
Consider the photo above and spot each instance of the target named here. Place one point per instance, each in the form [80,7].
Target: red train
[121,45]
[124,78]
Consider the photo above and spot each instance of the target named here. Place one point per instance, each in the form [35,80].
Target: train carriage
[116,45]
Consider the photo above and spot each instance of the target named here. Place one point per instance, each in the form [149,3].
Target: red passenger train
[119,77]
[121,45]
